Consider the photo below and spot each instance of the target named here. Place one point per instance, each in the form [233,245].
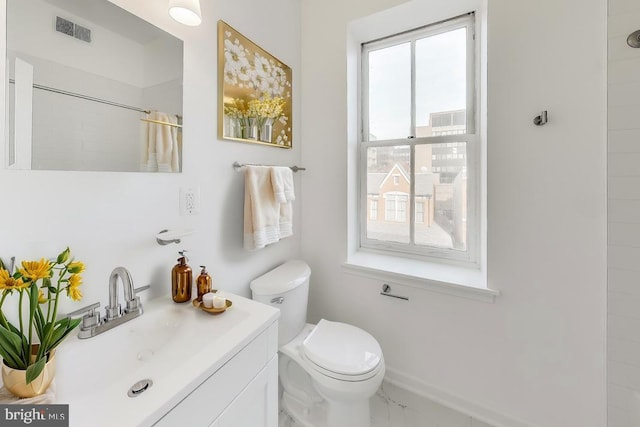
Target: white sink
[177,346]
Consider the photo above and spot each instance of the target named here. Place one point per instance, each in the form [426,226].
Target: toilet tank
[285,287]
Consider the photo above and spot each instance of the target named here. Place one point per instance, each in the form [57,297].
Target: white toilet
[328,371]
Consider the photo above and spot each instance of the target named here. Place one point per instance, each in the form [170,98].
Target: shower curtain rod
[88,98]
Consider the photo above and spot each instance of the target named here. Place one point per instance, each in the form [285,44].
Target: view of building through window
[440,189]
[418,113]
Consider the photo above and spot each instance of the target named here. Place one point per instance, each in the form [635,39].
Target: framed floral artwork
[254,91]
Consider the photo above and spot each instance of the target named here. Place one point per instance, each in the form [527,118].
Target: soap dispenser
[181,280]
[203,282]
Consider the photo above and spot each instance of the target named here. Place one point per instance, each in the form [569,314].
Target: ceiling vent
[72,29]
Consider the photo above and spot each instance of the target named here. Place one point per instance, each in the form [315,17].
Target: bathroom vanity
[204,370]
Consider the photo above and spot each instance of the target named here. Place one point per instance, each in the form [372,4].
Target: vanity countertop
[177,346]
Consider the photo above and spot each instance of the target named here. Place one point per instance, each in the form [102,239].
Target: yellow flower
[36,270]
[76,267]
[73,290]
[41,297]
[9,283]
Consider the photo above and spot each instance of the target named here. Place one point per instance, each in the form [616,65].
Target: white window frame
[471,256]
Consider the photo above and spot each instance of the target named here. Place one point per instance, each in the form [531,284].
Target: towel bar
[238,166]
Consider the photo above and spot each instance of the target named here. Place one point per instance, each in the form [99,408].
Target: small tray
[212,310]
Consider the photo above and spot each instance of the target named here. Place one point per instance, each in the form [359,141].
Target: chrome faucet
[93,325]
[114,310]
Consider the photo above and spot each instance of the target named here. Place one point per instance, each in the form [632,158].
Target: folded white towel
[282,179]
[261,211]
[159,144]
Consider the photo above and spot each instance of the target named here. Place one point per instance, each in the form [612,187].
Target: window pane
[390,93]
[441,195]
[388,184]
[441,84]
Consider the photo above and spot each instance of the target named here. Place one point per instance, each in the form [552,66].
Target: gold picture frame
[254,92]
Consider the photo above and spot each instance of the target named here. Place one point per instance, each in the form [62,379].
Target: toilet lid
[342,348]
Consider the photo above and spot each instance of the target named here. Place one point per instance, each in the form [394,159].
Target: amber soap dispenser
[203,283]
[181,280]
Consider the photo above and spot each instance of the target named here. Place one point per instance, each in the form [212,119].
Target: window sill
[446,279]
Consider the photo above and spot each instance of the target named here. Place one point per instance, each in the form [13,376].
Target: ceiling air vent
[72,29]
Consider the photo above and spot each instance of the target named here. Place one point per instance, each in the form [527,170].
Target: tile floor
[395,407]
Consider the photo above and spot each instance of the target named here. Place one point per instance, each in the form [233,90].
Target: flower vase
[234,127]
[15,380]
[266,130]
[252,128]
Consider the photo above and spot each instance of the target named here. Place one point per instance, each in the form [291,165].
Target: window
[419,211]
[373,213]
[418,149]
[396,207]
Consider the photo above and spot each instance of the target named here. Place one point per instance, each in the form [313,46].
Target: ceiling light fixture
[186,12]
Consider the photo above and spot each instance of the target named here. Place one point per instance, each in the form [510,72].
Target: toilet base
[303,414]
[348,414]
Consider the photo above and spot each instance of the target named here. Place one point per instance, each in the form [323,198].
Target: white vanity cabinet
[242,393]
[257,405]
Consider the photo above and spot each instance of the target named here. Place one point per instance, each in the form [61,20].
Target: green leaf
[11,344]
[9,354]
[52,289]
[2,264]
[36,369]
[46,282]
[39,320]
[62,334]
[14,329]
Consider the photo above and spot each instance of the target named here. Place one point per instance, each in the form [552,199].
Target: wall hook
[634,39]
[541,119]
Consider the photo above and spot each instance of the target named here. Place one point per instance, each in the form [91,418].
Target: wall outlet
[190,201]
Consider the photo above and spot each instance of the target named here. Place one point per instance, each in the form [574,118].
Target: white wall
[110,219]
[536,356]
[624,219]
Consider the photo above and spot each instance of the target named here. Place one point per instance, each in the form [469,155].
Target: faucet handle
[141,288]
[90,317]
[135,304]
[113,312]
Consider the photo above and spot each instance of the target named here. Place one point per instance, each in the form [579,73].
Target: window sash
[468,257]
[463,21]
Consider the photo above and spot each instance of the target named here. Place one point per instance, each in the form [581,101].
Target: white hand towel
[282,179]
[159,144]
[261,211]
[286,220]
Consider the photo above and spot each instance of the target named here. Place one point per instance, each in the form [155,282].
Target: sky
[440,83]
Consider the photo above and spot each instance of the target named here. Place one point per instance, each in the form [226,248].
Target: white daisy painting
[254,91]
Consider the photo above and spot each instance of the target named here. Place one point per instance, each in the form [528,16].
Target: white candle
[219,302]
[207,299]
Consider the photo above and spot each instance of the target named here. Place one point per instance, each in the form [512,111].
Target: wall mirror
[92,87]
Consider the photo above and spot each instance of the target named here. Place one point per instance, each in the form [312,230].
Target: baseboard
[449,400]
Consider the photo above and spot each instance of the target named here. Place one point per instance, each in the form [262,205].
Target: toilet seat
[342,351]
